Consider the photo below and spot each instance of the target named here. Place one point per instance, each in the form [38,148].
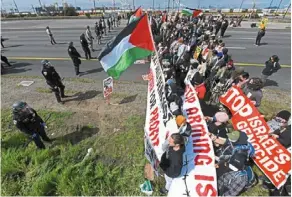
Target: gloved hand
[34,135]
[44,125]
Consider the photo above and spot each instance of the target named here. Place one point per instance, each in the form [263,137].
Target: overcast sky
[25,5]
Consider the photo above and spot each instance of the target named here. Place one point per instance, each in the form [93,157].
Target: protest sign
[108,85]
[151,155]
[271,157]
[190,75]
[159,119]
[198,176]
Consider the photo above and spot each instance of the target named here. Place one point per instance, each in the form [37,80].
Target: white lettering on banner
[270,156]
[199,173]
[159,120]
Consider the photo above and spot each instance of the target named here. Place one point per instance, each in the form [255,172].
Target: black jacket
[29,124]
[73,53]
[83,41]
[271,67]
[51,75]
[284,136]
[172,164]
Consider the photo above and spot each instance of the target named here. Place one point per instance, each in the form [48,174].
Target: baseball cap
[233,136]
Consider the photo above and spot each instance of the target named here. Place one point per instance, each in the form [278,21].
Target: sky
[25,5]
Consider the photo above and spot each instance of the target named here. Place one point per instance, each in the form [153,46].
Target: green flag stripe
[126,60]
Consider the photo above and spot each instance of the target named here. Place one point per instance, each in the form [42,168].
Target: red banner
[271,157]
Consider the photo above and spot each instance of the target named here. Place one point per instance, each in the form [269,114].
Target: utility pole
[278,6]
[241,5]
[270,6]
[287,10]
[168,6]
[172,5]
[178,8]
[153,6]
[133,5]
[199,2]
[16,6]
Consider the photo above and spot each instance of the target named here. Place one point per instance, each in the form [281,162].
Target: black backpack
[239,159]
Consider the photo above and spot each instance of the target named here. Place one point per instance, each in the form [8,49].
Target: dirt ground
[86,100]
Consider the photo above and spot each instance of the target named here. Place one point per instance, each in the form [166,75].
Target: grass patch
[114,168]
[47,90]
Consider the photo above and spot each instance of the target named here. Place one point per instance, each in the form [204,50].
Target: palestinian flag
[187,12]
[133,43]
[136,15]
[197,12]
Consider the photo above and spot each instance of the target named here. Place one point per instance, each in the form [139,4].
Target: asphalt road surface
[29,44]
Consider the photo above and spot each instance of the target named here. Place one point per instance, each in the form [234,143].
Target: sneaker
[163,191]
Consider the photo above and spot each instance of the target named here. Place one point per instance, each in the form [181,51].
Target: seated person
[279,121]
[253,90]
[199,85]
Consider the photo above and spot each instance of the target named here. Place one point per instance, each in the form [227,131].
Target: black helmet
[44,62]
[18,106]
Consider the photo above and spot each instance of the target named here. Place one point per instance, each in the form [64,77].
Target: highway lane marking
[241,48]
[267,32]
[67,58]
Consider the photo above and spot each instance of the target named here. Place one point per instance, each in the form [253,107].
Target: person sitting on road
[199,85]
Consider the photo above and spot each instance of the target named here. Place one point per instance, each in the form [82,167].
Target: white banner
[159,120]
[198,176]
[190,75]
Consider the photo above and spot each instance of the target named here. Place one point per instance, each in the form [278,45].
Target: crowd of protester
[185,43]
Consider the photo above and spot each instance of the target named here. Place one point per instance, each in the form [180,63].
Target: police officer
[85,47]
[29,122]
[98,33]
[53,79]
[74,55]
[109,25]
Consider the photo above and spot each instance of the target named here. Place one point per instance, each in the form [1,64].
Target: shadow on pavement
[271,83]
[128,99]
[227,36]
[81,96]
[264,43]
[17,45]
[20,64]
[15,71]
[97,70]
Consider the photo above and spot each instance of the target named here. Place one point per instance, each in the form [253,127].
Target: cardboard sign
[108,85]
[271,157]
[159,119]
[25,83]
[199,160]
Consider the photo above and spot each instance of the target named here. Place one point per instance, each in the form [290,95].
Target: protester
[48,30]
[279,121]
[272,66]
[172,160]
[199,85]
[253,90]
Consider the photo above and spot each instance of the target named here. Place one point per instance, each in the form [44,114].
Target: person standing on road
[272,66]
[50,35]
[98,33]
[5,60]
[2,40]
[89,38]
[218,26]
[74,55]
[109,25]
[85,47]
[54,80]
[223,27]
[261,34]
[29,122]
[104,27]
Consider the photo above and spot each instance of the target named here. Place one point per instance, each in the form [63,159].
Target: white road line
[253,32]
[232,38]
[241,48]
